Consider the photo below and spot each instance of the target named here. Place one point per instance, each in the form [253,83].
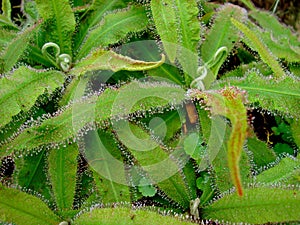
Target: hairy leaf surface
[116,216]
[282,96]
[111,103]
[21,208]
[20,90]
[62,168]
[166,24]
[257,206]
[113,28]
[60,22]
[109,60]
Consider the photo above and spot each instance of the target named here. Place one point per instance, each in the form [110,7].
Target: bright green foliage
[280,173]
[279,96]
[261,153]
[62,167]
[15,49]
[258,205]
[94,119]
[21,89]
[166,25]
[113,28]
[108,60]
[222,34]
[263,51]
[21,208]
[59,18]
[93,16]
[126,216]
[100,149]
[279,39]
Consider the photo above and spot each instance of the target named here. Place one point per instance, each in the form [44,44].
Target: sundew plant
[148,112]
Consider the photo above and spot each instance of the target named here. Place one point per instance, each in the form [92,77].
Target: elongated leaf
[189,35]
[62,168]
[262,154]
[258,205]
[96,12]
[20,90]
[282,96]
[31,173]
[295,127]
[229,102]
[15,48]
[113,28]
[110,103]
[222,34]
[109,60]
[5,37]
[166,24]
[62,22]
[21,208]
[261,48]
[125,216]
[160,166]
[280,173]
[104,157]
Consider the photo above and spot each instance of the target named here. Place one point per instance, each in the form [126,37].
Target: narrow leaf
[282,96]
[94,15]
[257,206]
[116,216]
[104,157]
[62,168]
[21,208]
[262,50]
[15,48]
[280,173]
[62,22]
[20,90]
[113,28]
[189,35]
[166,24]
[161,167]
[109,60]
[222,34]
[229,102]
[111,103]
[6,9]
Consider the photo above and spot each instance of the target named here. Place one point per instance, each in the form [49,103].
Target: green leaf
[110,103]
[21,89]
[257,206]
[16,47]
[280,173]
[116,216]
[113,28]
[166,24]
[104,157]
[222,34]
[160,166]
[261,48]
[59,21]
[282,96]
[94,15]
[262,154]
[62,168]
[5,37]
[109,60]
[189,35]
[21,208]
[30,173]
